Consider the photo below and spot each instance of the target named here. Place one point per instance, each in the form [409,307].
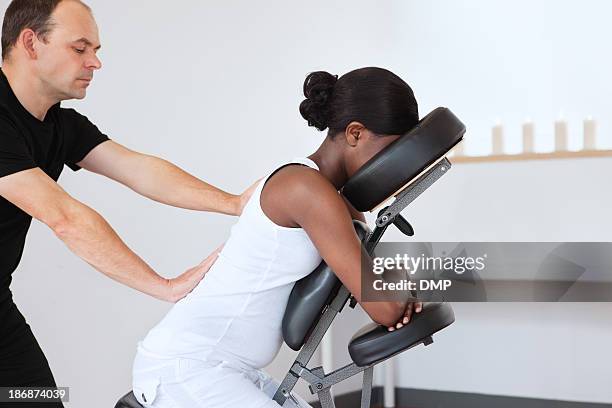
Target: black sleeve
[81,136]
[14,153]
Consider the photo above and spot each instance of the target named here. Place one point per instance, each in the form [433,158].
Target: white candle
[560,135]
[497,136]
[590,134]
[528,136]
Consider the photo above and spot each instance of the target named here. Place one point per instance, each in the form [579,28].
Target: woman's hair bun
[318,89]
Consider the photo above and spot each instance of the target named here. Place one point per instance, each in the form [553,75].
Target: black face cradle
[404,160]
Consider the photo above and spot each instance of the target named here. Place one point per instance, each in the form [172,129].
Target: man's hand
[180,286]
[85,232]
[244,198]
[410,308]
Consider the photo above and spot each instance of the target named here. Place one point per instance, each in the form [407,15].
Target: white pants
[190,383]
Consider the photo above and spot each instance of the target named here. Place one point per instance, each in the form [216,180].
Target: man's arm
[89,236]
[160,180]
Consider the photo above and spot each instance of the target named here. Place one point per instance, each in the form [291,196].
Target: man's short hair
[22,14]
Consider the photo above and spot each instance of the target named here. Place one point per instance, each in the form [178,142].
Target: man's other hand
[183,284]
[244,198]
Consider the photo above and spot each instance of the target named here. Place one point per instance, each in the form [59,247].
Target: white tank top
[235,312]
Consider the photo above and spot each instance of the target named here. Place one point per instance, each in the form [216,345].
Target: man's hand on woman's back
[180,286]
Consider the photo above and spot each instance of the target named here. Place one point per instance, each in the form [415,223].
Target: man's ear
[28,40]
[353,133]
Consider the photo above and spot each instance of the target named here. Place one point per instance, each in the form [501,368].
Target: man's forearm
[90,237]
[166,183]
[160,180]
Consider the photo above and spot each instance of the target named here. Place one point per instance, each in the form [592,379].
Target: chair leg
[284,390]
[366,391]
[325,398]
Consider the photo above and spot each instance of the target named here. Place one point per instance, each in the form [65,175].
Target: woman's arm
[298,196]
[356,215]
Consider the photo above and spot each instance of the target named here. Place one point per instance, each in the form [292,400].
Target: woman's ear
[353,132]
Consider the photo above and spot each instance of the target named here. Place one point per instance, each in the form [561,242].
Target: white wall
[509,60]
[215,87]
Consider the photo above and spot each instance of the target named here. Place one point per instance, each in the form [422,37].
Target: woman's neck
[329,157]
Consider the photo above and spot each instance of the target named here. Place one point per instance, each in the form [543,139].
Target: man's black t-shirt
[64,137]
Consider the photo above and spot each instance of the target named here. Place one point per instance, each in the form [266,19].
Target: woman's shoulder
[298,179]
[297,187]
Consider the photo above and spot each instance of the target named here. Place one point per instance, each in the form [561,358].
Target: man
[49,55]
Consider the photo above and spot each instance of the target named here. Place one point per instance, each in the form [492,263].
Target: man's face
[67,60]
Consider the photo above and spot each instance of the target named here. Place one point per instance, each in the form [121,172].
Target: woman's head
[364,110]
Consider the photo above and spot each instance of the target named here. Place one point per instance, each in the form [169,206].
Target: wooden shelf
[531,156]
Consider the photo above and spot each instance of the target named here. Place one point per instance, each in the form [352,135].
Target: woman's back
[235,313]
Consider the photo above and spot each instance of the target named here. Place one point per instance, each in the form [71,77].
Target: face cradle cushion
[404,159]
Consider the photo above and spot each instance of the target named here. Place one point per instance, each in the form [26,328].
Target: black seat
[128,401]
[374,343]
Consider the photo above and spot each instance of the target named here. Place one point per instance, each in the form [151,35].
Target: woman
[209,348]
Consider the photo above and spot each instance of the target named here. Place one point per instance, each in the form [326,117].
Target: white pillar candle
[497,136]
[560,135]
[590,134]
[528,136]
